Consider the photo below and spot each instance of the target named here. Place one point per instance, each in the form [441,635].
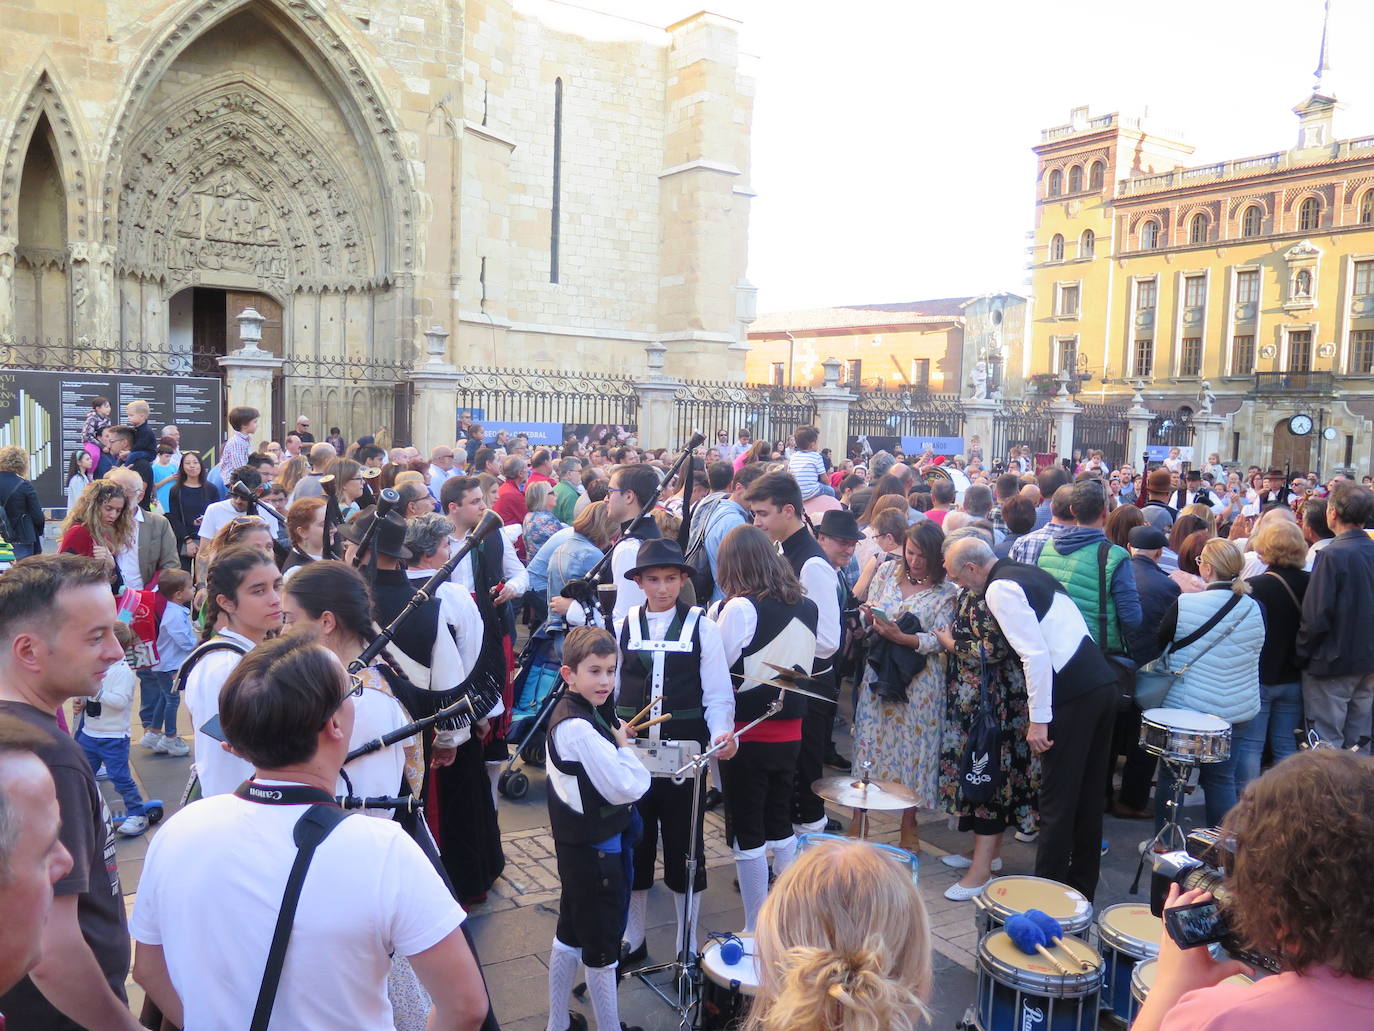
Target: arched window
[1367,208]
[1056,183]
[1197,228]
[1096,175]
[1087,243]
[1076,179]
[1149,235]
[1056,248]
[1251,220]
[1309,215]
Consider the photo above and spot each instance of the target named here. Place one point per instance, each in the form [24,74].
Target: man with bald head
[1072,701]
[309,485]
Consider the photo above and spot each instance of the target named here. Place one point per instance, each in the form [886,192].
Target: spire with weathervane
[1316,114]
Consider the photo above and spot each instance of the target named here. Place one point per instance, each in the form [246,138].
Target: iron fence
[120,356]
[1172,429]
[906,413]
[1021,422]
[575,399]
[1102,427]
[352,392]
[767,412]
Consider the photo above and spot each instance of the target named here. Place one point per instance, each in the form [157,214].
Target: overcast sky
[891,139]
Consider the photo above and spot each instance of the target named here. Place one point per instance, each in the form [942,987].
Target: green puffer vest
[1078,572]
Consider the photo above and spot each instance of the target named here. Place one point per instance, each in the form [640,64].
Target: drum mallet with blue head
[1053,932]
[1027,936]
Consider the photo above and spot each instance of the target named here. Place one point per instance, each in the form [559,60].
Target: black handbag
[980,769]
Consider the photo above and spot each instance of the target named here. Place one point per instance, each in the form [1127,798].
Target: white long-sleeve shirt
[615,772]
[115,697]
[819,584]
[717,693]
[1044,646]
[511,570]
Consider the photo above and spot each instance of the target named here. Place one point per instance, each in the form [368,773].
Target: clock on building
[1329,433]
[1300,425]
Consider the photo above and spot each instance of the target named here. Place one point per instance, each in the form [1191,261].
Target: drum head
[1131,928]
[1186,719]
[1016,894]
[746,971]
[1143,978]
[1009,965]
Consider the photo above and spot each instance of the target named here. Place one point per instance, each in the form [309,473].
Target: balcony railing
[1295,382]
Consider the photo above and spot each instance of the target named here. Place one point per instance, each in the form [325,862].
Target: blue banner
[1159,452]
[539,434]
[938,445]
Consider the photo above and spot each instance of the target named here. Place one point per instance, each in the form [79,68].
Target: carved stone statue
[979,380]
[1206,397]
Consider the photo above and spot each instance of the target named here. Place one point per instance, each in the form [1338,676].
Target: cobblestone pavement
[514,928]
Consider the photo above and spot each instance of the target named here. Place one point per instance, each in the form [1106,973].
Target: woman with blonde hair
[20,502]
[1215,637]
[1205,514]
[100,525]
[292,472]
[843,944]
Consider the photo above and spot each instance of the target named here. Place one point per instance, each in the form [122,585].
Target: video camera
[1202,865]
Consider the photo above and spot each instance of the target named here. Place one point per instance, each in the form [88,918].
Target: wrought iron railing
[912,412]
[1295,382]
[1102,427]
[571,398]
[120,356]
[1021,422]
[767,412]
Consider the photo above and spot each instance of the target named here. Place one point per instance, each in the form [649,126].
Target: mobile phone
[1196,924]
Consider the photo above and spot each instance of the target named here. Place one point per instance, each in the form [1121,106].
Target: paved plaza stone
[514,928]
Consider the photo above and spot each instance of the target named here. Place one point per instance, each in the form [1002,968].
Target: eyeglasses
[355,689]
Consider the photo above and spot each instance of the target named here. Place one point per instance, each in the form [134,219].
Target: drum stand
[687,964]
[1170,836]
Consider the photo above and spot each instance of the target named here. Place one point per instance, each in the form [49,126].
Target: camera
[1202,866]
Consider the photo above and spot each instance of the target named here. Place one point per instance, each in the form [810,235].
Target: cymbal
[782,686]
[788,673]
[853,792]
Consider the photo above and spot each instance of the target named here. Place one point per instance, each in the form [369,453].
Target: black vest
[681,679]
[780,636]
[798,550]
[391,590]
[1088,667]
[598,819]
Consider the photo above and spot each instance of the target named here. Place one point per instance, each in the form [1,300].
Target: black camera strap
[311,829]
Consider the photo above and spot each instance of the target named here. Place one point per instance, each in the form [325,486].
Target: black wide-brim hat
[840,524]
[658,554]
[390,538]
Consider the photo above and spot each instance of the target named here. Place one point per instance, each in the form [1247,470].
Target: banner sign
[910,446]
[46,411]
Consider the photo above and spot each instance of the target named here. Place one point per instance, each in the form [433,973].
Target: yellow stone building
[557,184]
[1239,294]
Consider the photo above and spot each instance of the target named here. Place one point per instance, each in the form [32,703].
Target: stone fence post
[1138,419]
[249,371]
[657,405]
[1064,410]
[434,407]
[832,411]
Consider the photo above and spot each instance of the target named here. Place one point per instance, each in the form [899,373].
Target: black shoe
[576,1021]
[836,760]
[832,825]
[713,798]
[633,957]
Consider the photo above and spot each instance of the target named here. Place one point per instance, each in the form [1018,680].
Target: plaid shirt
[235,454]
[1028,547]
[997,523]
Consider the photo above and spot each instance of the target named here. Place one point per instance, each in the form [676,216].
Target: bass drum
[954,476]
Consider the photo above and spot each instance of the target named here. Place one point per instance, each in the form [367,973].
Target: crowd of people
[302,610]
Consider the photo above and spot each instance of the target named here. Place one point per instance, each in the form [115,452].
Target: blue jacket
[1158,592]
[571,559]
[1222,675]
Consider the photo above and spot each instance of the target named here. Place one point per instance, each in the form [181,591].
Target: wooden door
[1291,450]
[265,306]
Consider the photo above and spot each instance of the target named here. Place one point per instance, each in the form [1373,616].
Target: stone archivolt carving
[229,180]
[332,56]
[43,99]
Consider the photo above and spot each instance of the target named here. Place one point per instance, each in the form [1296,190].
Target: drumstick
[643,712]
[652,723]
[1050,956]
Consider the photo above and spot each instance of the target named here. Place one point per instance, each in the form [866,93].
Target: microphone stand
[490,522]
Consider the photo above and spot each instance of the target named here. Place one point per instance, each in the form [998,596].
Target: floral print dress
[1016,803]
[902,741]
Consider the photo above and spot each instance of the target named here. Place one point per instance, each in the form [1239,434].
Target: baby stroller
[535,686]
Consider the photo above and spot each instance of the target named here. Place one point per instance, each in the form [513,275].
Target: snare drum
[1126,934]
[1006,896]
[1017,991]
[1185,736]
[898,855]
[663,758]
[727,992]
[1143,979]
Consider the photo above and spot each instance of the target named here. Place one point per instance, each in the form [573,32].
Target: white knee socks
[494,775]
[605,1005]
[752,867]
[634,927]
[563,962]
[680,904]
[784,852]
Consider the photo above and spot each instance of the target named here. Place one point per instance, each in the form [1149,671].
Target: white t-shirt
[211,887]
[375,714]
[216,518]
[219,771]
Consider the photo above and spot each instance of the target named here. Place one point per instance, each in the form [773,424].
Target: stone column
[1138,419]
[249,371]
[979,415]
[1206,437]
[1064,410]
[434,407]
[832,410]
[657,407]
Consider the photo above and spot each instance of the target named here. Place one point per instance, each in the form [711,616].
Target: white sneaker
[175,746]
[1026,836]
[956,893]
[958,862]
[151,739]
[133,826]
